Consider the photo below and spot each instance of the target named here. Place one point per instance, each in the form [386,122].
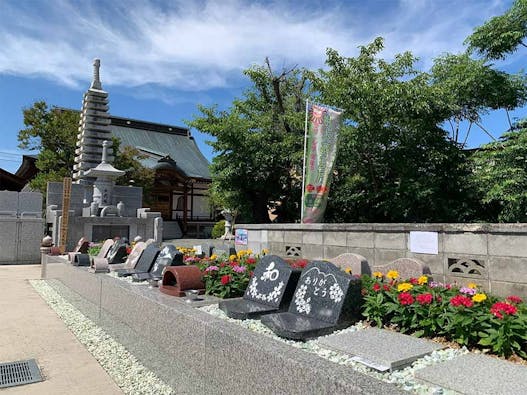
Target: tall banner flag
[322,128]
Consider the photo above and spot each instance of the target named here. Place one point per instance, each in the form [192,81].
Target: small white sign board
[198,249]
[424,242]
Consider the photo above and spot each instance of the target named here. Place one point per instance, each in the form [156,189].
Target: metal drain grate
[18,373]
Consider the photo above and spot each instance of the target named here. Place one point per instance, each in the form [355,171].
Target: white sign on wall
[424,242]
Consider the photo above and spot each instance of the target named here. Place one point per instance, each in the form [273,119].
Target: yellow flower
[232,258]
[377,274]
[479,297]
[392,274]
[404,287]
[422,280]
[348,270]
[265,251]
[249,251]
[472,285]
[213,257]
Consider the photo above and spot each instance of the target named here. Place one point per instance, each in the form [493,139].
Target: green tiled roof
[157,144]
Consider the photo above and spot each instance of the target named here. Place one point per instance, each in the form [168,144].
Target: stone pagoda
[94,128]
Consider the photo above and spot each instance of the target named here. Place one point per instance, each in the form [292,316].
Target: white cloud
[197,46]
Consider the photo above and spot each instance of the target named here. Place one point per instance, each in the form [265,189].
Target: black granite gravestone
[81,260]
[117,253]
[168,256]
[144,263]
[325,299]
[269,291]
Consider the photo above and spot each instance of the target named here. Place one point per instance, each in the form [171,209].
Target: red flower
[460,300]
[405,298]
[310,187]
[414,281]
[321,189]
[251,273]
[251,260]
[299,264]
[225,279]
[385,287]
[222,264]
[425,298]
[500,307]
[514,299]
[376,287]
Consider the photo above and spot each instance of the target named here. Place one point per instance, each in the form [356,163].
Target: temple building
[182,172]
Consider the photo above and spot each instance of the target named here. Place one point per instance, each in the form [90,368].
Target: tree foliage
[500,177]
[52,132]
[501,35]
[259,144]
[472,87]
[394,163]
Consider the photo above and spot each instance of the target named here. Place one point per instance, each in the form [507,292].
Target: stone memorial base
[474,374]
[380,349]
[195,352]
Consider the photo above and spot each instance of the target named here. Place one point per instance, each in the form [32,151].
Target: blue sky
[160,59]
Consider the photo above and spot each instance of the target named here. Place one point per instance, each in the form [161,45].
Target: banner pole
[304,165]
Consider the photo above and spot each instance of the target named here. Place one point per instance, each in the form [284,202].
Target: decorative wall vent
[293,250]
[467,267]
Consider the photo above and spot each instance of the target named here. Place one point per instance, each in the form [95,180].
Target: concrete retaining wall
[492,255]
[198,353]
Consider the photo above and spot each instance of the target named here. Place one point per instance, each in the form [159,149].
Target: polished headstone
[144,263]
[132,259]
[168,256]
[380,349]
[325,299]
[117,253]
[105,248]
[269,291]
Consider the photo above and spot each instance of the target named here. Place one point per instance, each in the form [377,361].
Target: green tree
[471,88]
[501,35]
[500,170]
[52,132]
[395,164]
[259,145]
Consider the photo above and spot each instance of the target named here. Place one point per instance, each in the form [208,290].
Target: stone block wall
[492,255]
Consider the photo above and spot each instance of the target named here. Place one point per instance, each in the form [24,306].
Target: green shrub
[219,229]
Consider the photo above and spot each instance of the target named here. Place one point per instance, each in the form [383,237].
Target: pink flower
[212,268]
[238,269]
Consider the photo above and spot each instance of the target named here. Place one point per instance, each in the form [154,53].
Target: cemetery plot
[269,291]
[325,299]
[380,349]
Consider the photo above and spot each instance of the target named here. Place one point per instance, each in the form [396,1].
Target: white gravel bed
[127,279]
[127,372]
[403,378]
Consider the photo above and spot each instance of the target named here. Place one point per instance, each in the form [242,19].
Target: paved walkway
[30,329]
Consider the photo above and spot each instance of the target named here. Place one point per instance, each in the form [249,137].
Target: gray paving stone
[476,374]
[380,349]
